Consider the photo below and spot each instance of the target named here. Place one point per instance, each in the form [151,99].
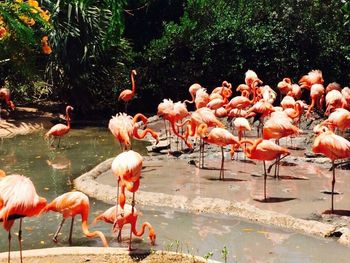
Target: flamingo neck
[143,118]
[142,230]
[87,233]
[68,118]
[144,133]
[132,82]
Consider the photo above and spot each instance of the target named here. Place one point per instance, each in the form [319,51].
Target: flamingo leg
[200,162]
[20,239]
[59,140]
[269,169]
[265,176]
[119,237]
[126,107]
[58,230]
[333,183]
[203,153]
[71,231]
[222,164]
[9,253]
[132,211]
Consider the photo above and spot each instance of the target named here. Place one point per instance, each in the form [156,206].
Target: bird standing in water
[127,94]
[69,205]
[264,150]
[18,199]
[334,147]
[111,215]
[59,130]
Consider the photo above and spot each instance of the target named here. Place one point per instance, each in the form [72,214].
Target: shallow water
[52,171]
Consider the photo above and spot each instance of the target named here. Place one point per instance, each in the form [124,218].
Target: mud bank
[101,255]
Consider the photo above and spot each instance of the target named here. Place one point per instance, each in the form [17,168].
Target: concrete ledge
[107,193]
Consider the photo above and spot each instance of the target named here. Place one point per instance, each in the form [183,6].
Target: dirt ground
[99,255]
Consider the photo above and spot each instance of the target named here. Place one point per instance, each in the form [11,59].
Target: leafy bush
[220,40]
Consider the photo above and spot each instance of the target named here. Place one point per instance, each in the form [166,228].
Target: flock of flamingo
[18,197]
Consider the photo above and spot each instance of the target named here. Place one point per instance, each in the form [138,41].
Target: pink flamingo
[59,130]
[18,199]
[127,94]
[72,204]
[334,147]
[127,217]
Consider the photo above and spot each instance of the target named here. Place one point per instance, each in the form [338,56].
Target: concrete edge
[106,193]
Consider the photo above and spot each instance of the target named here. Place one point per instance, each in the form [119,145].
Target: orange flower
[3,32]
[29,21]
[45,46]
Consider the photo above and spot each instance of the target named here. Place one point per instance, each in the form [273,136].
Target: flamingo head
[69,108]
[152,236]
[133,72]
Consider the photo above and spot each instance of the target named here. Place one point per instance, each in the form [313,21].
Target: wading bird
[334,147]
[59,130]
[264,150]
[127,94]
[72,204]
[220,137]
[18,199]
[111,215]
[5,95]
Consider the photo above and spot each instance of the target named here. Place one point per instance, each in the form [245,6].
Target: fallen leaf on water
[42,242]
[37,157]
[28,228]
[248,229]
[262,232]
[46,189]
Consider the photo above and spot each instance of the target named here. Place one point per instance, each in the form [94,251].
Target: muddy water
[52,171]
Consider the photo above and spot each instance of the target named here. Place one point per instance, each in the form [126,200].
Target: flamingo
[5,95]
[334,100]
[202,115]
[250,78]
[202,98]
[220,137]
[260,110]
[109,216]
[346,97]
[127,168]
[333,86]
[285,86]
[71,204]
[287,102]
[127,94]
[264,150]
[313,77]
[59,130]
[334,147]
[340,118]
[193,90]
[317,98]
[18,199]
[123,127]
[295,92]
[242,125]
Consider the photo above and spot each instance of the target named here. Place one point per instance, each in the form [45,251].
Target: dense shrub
[218,40]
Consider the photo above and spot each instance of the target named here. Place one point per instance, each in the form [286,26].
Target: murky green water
[52,171]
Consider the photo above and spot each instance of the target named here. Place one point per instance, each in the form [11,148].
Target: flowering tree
[22,25]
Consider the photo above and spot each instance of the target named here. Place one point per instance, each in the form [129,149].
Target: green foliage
[88,55]
[24,26]
[220,40]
